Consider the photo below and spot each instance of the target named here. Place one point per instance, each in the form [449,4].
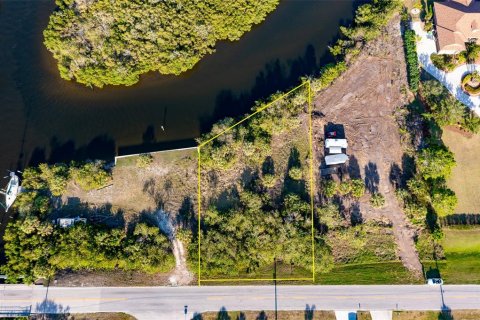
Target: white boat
[12,190]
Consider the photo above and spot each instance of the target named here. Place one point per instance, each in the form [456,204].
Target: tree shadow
[275,76]
[248,178]
[151,144]
[186,214]
[464,219]
[268,166]
[395,176]
[50,307]
[241,316]
[353,168]
[432,273]
[150,189]
[102,214]
[197,316]
[445,314]
[223,314]
[309,312]
[38,156]
[227,199]
[262,316]
[101,147]
[148,136]
[356,216]
[294,158]
[372,178]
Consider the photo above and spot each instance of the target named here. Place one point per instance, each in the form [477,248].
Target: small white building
[340,143]
[68,222]
[335,153]
[336,159]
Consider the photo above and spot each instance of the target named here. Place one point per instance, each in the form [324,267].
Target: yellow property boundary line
[312,187]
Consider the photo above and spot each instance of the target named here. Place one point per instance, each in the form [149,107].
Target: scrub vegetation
[36,247]
[255,177]
[105,42]
[247,223]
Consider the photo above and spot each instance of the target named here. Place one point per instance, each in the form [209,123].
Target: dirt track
[364,100]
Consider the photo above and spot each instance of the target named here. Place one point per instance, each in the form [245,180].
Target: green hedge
[413,69]
[467,87]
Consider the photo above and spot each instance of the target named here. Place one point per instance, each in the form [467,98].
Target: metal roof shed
[340,143]
[336,159]
[334,150]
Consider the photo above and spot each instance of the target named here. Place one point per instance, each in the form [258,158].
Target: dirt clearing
[364,101]
[163,192]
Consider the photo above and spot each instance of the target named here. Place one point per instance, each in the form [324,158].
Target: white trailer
[336,159]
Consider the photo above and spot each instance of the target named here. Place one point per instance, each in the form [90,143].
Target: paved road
[168,302]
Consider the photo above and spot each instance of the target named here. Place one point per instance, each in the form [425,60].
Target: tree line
[105,42]
[35,247]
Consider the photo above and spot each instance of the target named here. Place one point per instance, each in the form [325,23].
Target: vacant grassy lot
[462,252]
[372,273]
[310,314]
[465,179]
[436,315]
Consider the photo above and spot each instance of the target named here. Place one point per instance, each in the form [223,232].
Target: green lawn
[465,178]
[373,273]
[462,252]
[256,315]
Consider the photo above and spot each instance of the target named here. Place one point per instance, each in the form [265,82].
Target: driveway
[451,80]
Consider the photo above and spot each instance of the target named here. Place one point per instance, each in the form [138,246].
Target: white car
[434,281]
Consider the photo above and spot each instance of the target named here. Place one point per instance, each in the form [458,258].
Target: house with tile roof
[457,22]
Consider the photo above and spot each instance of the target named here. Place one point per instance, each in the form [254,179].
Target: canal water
[45,118]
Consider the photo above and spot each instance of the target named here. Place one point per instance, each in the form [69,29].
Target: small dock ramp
[346,315]
[381,315]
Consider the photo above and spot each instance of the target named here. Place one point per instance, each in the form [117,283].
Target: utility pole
[275,284]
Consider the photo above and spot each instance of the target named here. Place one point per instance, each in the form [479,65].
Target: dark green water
[44,118]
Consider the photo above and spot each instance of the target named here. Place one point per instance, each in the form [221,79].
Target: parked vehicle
[434,281]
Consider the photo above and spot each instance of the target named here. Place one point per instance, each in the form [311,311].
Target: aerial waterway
[44,118]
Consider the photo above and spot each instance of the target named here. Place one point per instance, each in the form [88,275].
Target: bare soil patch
[364,101]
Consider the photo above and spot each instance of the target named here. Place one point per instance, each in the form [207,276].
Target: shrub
[144,160]
[470,121]
[377,200]
[295,173]
[413,69]
[474,76]
[269,180]
[357,189]
[55,176]
[47,178]
[329,188]
[444,201]
[90,176]
[344,187]
[328,74]
[329,215]
[447,62]
[435,162]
